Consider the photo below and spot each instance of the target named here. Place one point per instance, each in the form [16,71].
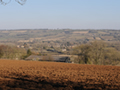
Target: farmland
[15,74]
[61,40]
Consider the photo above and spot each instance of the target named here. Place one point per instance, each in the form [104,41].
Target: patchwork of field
[58,35]
[80,32]
[35,75]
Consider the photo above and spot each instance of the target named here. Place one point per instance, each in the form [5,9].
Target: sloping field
[34,75]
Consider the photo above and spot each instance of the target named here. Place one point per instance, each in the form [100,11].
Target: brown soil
[34,75]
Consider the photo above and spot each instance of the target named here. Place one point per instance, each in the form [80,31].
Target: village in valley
[55,44]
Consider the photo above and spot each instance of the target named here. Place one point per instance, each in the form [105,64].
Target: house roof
[48,58]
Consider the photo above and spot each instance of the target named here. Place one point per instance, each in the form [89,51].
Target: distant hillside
[59,35]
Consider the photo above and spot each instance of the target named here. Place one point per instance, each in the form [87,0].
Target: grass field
[35,75]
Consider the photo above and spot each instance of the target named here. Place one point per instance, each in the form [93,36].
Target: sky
[61,14]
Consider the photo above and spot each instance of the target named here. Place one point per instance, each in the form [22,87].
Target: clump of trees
[96,52]
[29,52]
[11,52]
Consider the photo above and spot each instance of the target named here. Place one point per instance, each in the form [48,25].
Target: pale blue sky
[73,14]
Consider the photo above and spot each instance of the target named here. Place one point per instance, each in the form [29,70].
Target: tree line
[12,52]
[96,52]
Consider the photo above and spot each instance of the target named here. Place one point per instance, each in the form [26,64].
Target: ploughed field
[57,76]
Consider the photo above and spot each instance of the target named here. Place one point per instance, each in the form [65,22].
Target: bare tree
[92,52]
[4,2]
